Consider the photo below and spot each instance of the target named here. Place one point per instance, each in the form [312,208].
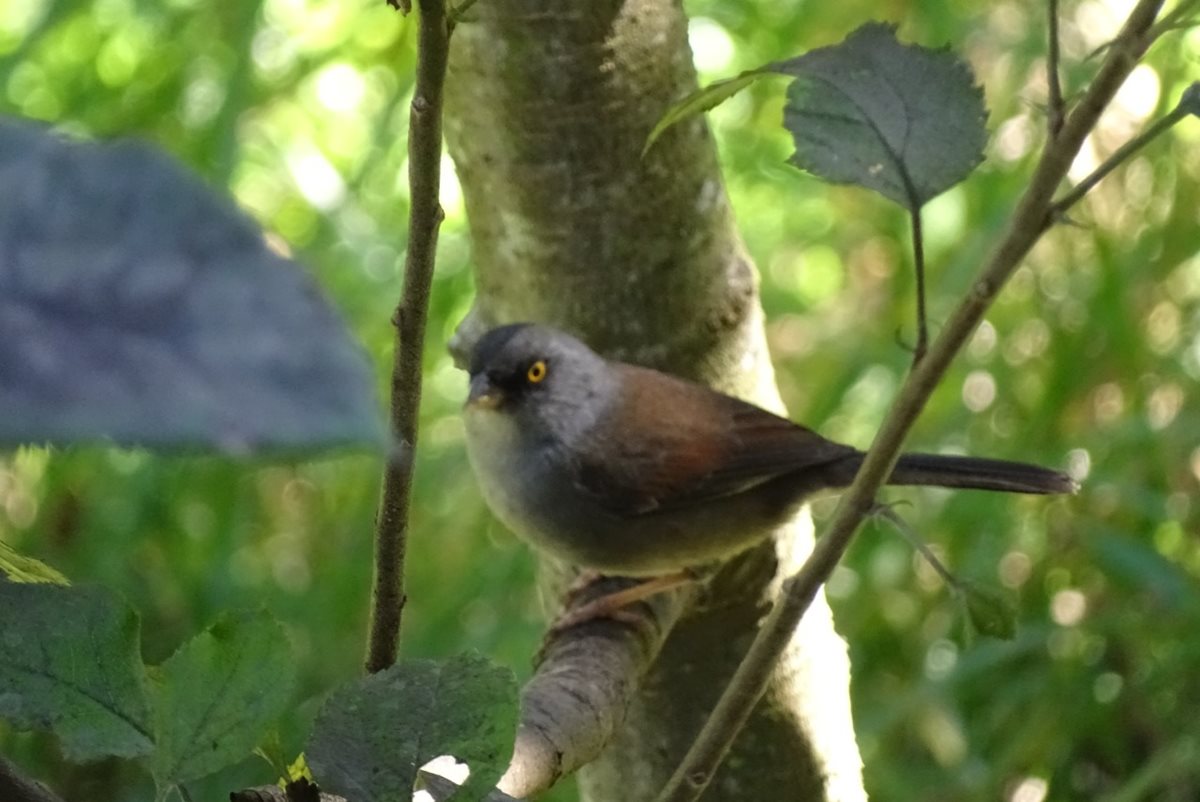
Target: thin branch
[1123,153]
[1030,220]
[917,542]
[425,217]
[16,788]
[1055,108]
[1177,18]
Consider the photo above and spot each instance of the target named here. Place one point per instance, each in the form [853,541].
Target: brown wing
[703,445]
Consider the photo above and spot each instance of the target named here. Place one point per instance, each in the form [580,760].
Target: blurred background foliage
[1089,360]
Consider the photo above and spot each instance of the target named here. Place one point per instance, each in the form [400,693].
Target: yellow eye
[536,372]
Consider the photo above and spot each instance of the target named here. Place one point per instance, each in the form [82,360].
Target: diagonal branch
[1033,215]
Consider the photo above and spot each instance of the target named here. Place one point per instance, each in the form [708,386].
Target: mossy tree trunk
[548,107]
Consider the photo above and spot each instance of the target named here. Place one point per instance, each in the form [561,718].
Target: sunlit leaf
[20,568]
[699,102]
[138,307]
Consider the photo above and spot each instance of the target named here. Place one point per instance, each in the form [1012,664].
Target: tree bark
[548,107]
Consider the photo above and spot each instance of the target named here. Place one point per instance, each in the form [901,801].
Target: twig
[1054,102]
[425,217]
[1030,220]
[888,514]
[1122,154]
[1176,18]
[16,788]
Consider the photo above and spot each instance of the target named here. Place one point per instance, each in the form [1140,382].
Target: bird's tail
[940,470]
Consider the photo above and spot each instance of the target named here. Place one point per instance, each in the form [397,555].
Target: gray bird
[628,471]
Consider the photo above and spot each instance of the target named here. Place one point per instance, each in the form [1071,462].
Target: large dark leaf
[138,307]
[903,120]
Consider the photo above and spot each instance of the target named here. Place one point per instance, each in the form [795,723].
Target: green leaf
[20,568]
[372,736]
[70,661]
[699,102]
[137,307]
[991,611]
[219,694]
[906,121]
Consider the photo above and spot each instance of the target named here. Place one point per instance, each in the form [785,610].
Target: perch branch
[577,698]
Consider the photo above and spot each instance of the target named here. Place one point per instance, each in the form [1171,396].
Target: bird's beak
[483,393]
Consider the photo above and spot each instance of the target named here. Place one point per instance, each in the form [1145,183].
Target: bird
[624,470]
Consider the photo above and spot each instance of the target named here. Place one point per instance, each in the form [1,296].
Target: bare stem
[424,219]
[1120,156]
[1029,221]
[1055,108]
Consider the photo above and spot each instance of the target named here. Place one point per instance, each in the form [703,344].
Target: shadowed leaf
[905,121]
[373,735]
[218,695]
[70,661]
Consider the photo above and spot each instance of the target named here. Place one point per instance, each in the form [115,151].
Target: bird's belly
[536,497]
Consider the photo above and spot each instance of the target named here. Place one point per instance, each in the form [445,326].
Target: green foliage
[69,662]
[216,696]
[990,611]
[21,568]
[700,101]
[372,736]
[905,121]
[141,309]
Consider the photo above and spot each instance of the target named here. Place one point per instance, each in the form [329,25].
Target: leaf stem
[888,514]
[918,244]
[425,217]
[1030,219]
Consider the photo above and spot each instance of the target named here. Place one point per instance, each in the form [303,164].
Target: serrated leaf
[70,661]
[906,121]
[991,611]
[21,568]
[137,307]
[219,694]
[699,102]
[372,736]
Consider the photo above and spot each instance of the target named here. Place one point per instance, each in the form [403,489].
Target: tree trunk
[549,105]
